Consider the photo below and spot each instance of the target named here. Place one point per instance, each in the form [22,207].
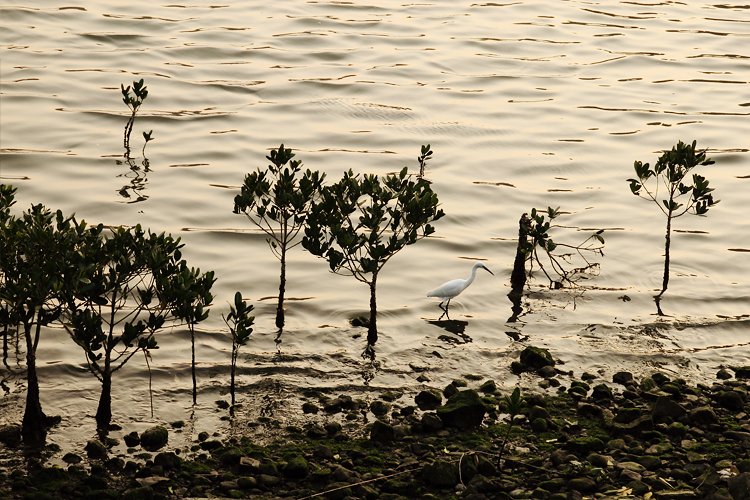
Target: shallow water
[525,103]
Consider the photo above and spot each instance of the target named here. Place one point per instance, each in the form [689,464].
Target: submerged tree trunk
[372,327]
[6,332]
[667,243]
[518,276]
[665,279]
[231,376]
[192,363]
[34,426]
[104,411]
[126,135]
[282,289]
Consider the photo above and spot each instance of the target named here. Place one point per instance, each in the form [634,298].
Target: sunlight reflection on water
[525,104]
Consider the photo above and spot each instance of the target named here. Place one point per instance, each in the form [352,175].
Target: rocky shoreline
[584,437]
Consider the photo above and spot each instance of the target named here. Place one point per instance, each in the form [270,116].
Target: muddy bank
[581,437]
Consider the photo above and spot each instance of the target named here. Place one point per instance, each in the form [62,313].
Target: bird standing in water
[451,288]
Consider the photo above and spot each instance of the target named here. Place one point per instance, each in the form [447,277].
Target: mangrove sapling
[37,252]
[678,196]
[133,102]
[425,154]
[360,222]
[128,296]
[147,137]
[189,294]
[278,200]
[536,246]
[240,325]
[514,405]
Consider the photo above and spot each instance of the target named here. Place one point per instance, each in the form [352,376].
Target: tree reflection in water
[134,190]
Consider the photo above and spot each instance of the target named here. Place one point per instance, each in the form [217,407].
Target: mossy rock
[441,474]
[488,387]
[230,457]
[585,445]
[463,410]
[533,358]
[296,468]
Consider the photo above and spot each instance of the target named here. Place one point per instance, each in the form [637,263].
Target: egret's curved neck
[470,279]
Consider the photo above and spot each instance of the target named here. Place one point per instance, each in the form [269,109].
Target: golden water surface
[525,103]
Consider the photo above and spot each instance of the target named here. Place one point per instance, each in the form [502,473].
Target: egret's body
[450,289]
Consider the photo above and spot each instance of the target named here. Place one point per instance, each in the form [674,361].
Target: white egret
[451,288]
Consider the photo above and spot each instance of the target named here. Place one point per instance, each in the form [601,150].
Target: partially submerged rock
[532,359]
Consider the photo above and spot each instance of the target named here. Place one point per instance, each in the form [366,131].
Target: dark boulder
[169,460]
[666,410]
[739,486]
[296,468]
[10,435]
[95,449]
[463,410]
[622,378]
[440,474]
[154,438]
[703,415]
[132,439]
[428,400]
[381,432]
[532,359]
[731,400]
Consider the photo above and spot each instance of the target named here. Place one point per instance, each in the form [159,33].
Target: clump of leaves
[669,185]
[278,200]
[425,154]
[539,249]
[362,221]
[240,325]
[147,137]
[514,404]
[36,249]
[135,282]
[133,102]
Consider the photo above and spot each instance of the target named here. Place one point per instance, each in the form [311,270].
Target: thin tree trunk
[192,364]
[282,288]
[231,377]
[372,327]
[6,332]
[667,243]
[34,426]
[126,137]
[665,279]
[104,411]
